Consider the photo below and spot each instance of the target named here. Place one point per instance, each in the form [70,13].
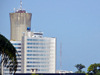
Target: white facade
[38,52]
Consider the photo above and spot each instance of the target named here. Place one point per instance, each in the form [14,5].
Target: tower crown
[20,11]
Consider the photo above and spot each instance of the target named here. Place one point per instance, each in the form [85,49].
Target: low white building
[63,71]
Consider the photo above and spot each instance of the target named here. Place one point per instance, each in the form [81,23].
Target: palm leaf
[8,52]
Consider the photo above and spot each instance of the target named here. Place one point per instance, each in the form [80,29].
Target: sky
[75,24]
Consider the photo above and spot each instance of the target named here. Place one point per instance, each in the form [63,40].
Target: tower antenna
[20,4]
[60,56]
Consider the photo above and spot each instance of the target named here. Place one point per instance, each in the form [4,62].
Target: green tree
[94,68]
[8,54]
[79,68]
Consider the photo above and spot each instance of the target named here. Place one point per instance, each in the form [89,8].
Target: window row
[18,51]
[16,43]
[18,69]
[39,70]
[36,51]
[38,62]
[18,55]
[18,47]
[19,62]
[35,43]
[43,70]
[19,66]
[36,40]
[37,55]
[38,47]
[37,66]
[37,58]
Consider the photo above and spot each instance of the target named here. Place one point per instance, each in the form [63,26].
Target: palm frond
[8,52]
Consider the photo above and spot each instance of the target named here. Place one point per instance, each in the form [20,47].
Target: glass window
[36,40]
[37,54]
[38,63]
[18,47]
[19,62]
[36,51]
[36,47]
[44,70]
[33,65]
[19,66]
[16,43]
[6,69]
[35,43]
[18,69]
[28,69]
[37,58]
[29,50]
[18,51]
[18,55]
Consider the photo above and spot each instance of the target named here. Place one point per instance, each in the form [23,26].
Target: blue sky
[75,24]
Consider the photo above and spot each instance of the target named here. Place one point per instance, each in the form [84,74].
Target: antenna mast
[60,56]
[20,4]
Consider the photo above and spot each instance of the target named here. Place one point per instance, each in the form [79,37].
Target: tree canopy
[8,54]
[94,68]
[79,68]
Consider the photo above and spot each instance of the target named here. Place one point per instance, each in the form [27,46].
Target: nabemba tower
[36,51]
[19,21]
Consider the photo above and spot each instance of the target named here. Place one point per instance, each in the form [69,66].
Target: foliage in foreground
[8,53]
[94,69]
[92,74]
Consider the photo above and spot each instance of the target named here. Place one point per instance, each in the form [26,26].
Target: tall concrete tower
[20,21]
